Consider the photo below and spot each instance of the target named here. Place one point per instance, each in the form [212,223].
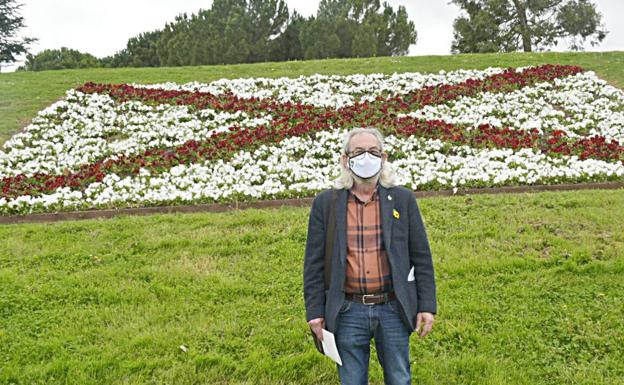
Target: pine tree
[362,27]
[10,23]
[287,46]
[246,31]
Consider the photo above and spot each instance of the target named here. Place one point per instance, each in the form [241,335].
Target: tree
[288,45]
[121,58]
[510,25]
[57,59]
[319,39]
[142,49]
[364,42]
[350,28]
[231,31]
[10,23]
[402,32]
[266,21]
[236,40]
[247,31]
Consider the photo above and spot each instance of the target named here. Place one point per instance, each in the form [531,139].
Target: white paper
[410,276]
[329,347]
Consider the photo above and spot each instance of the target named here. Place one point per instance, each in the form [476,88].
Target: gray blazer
[405,241]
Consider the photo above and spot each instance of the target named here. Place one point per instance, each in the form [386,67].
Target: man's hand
[317,324]
[425,320]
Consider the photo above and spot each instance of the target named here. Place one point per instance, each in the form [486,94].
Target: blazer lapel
[341,223]
[387,218]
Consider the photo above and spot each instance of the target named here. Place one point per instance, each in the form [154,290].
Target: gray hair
[387,176]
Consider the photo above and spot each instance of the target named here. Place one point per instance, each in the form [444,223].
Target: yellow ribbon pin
[395,213]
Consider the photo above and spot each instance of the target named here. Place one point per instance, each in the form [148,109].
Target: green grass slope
[530,291]
[23,94]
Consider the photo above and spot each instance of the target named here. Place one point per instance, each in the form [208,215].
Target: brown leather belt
[371,299]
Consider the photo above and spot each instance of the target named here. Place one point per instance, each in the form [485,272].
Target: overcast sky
[102,27]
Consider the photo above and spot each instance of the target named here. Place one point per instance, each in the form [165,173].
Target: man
[382,278]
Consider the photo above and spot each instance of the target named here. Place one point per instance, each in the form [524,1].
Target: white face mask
[365,165]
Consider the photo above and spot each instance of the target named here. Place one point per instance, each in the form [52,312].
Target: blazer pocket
[410,275]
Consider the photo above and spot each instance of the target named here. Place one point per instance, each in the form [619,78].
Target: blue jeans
[355,325]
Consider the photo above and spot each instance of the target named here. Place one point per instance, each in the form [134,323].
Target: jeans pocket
[394,306]
[346,305]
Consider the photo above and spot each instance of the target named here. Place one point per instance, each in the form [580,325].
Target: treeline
[58,59]
[248,31]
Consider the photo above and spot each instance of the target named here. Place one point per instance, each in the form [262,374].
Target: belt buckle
[364,299]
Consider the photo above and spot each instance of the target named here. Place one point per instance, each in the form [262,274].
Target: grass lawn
[530,291]
[23,94]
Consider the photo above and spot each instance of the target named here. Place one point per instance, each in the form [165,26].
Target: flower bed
[107,145]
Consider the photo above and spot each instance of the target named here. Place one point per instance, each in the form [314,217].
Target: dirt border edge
[294,202]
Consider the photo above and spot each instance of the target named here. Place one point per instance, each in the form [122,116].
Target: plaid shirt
[368,269]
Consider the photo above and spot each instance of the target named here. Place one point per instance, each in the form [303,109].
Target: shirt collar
[373,197]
